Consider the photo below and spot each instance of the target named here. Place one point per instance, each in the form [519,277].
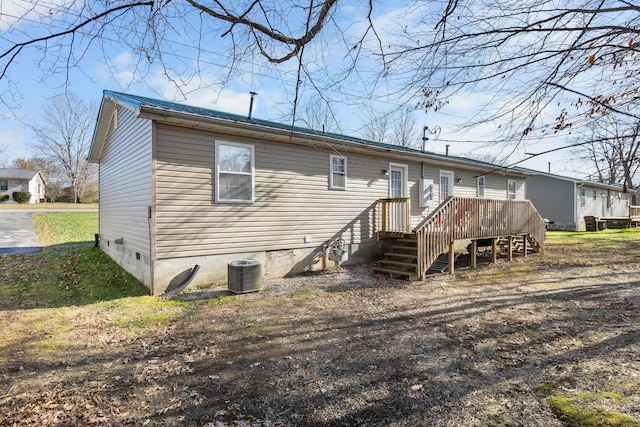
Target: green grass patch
[608,238]
[66,227]
[134,314]
[585,409]
[221,300]
[63,277]
[49,206]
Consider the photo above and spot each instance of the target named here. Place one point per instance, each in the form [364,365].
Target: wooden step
[398,255]
[411,275]
[404,248]
[398,263]
[411,241]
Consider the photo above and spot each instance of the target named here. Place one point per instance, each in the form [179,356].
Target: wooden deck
[457,218]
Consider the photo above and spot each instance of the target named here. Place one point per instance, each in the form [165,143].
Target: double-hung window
[4,185]
[583,197]
[337,173]
[480,186]
[234,172]
[511,189]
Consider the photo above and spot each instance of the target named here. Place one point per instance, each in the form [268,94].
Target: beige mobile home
[182,186]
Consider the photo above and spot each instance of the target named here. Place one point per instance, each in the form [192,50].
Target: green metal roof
[136,101]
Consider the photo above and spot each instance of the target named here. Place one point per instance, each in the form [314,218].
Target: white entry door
[446,185]
[397,180]
[398,189]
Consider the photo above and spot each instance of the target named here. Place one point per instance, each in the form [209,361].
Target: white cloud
[120,69]
[19,12]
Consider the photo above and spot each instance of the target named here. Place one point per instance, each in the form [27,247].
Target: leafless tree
[548,64]
[180,37]
[545,65]
[395,127]
[404,130]
[376,127]
[3,160]
[316,114]
[63,136]
[612,148]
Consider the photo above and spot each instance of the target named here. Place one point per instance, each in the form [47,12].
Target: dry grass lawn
[547,340]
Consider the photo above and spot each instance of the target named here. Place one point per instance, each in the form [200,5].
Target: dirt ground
[489,347]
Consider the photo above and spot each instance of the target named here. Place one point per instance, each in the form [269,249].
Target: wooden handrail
[634,212]
[460,218]
[395,216]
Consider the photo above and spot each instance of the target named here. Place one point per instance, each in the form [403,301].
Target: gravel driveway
[17,233]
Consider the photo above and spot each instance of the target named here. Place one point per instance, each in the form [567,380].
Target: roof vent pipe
[446,149]
[253,95]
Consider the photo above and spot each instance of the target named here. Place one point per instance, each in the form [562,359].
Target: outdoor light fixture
[385,172]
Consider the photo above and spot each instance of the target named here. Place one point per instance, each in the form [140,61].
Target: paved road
[18,233]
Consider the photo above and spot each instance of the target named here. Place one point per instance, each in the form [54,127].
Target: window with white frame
[234,172]
[511,189]
[595,194]
[583,197]
[4,185]
[337,172]
[480,186]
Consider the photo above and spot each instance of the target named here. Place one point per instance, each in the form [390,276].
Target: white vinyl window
[234,172]
[4,185]
[583,197]
[337,173]
[480,186]
[595,194]
[511,189]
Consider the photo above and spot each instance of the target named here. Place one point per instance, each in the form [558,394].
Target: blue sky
[113,66]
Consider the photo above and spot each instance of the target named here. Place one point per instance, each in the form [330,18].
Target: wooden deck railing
[460,218]
[395,216]
[634,213]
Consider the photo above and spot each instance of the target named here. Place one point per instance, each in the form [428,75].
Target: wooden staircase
[402,260]
[457,218]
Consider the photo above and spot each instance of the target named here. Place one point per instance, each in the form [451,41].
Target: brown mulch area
[353,348]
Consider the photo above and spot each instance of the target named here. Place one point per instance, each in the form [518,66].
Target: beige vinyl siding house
[13,179]
[271,194]
[125,190]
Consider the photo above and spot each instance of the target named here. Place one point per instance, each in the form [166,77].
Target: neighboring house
[23,180]
[565,201]
[182,185]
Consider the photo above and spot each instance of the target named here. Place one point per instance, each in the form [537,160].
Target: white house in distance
[182,186]
[565,201]
[23,180]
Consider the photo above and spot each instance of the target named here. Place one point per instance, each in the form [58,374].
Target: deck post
[510,248]
[452,258]
[384,217]
[494,250]
[474,249]
[524,244]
